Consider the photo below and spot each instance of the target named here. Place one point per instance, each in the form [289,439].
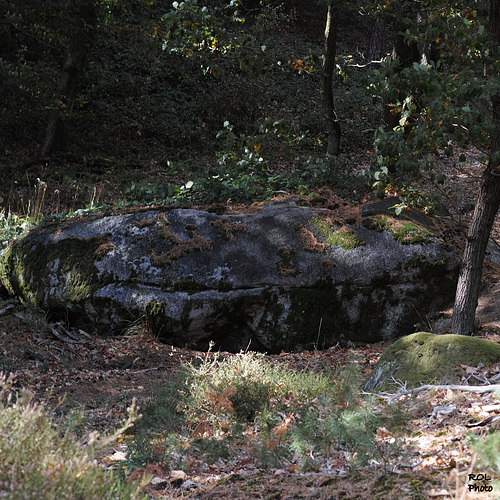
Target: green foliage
[212,401]
[341,419]
[40,462]
[249,383]
[414,199]
[12,226]
[442,102]
[192,29]
[217,403]
[245,173]
[488,449]
[213,449]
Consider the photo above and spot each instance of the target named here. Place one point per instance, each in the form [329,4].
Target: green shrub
[341,418]
[39,462]
[11,227]
[489,450]
[290,414]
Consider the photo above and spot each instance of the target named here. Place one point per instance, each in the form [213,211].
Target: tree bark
[469,281]
[333,125]
[376,44]
[57,137]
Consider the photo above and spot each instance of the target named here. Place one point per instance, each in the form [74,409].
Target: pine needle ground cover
[246,425]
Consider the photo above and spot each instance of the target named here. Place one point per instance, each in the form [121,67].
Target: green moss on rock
[402,230]
[68,264]
[425,358]
[154,308]
[343,237]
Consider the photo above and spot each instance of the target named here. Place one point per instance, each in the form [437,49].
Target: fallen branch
[5,310]
[466,388]
[484,422]
[490,408]
[150,369]
[66,337]
[35,355]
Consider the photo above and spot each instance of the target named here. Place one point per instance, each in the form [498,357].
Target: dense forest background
[226,96]
[141,102]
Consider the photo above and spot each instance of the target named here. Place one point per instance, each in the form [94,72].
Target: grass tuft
[40,462]
[218,405]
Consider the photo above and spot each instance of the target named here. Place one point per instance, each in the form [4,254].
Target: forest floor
[102,375]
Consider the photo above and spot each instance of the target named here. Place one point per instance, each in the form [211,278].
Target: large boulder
[424,358]
[282,277]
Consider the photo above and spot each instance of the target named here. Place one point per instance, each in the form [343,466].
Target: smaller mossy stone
[424,358]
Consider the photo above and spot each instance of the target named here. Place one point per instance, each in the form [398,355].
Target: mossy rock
[282,277]
[402,230]
[344,237]
[425,358]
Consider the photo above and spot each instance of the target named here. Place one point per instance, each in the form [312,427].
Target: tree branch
[467,388]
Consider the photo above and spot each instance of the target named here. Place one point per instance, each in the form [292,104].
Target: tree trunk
[334,130]
[376,44]
[57,137]
[469,281]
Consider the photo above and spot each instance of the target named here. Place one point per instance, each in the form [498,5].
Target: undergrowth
[41,462]
[488,450]
[219,406]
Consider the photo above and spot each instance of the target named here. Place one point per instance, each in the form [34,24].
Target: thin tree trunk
[334,130]
[376,44]
[469,281]
[57,137]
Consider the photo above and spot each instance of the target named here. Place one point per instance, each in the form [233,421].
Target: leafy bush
[38,462]
[11,227]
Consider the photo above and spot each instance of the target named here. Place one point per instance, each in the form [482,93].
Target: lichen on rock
[274,277]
